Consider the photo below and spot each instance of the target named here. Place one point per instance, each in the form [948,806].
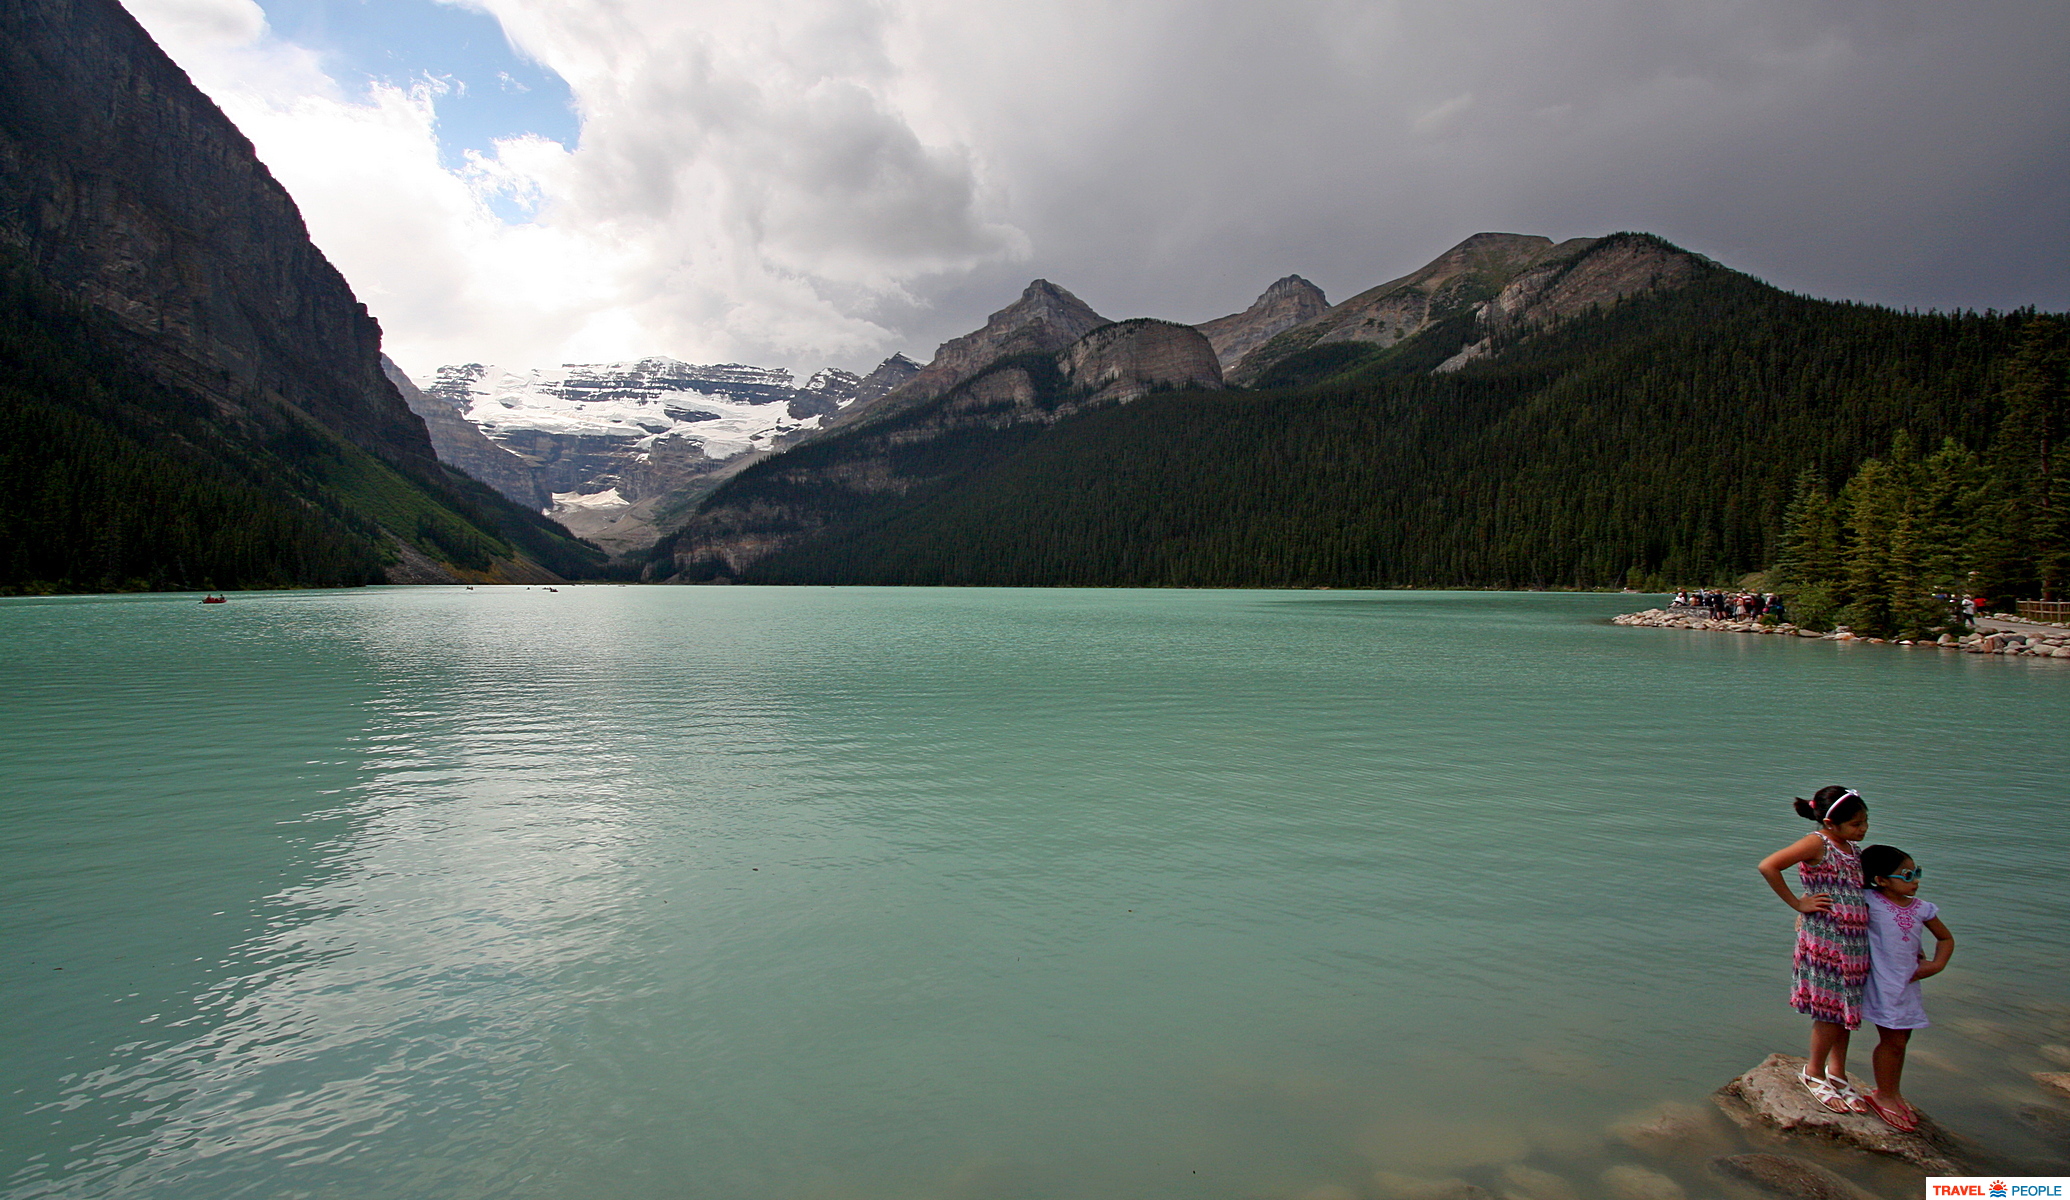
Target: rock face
[1769,1097]
[459,444]
[1284,305]
[1044,320]
[129,189]
[1132,358]
[1503,283]
[124,189]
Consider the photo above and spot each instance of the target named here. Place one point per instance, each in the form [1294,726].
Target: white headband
[1842,798]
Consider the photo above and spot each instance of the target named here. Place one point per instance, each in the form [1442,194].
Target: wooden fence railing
[2045,610]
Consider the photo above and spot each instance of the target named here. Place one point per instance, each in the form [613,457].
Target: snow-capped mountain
[614,442]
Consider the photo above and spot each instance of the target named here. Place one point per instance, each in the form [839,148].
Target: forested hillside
[1656,442]
[115,481]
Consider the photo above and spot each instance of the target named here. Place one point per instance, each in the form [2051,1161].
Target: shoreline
[1996,635]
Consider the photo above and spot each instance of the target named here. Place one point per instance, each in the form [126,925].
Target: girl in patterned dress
[1831,964]
[1897,963]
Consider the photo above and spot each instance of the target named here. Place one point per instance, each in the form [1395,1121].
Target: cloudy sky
[806,182]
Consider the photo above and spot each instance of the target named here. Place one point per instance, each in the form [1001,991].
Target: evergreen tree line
[1652,444]
[1909,534]
[112,481]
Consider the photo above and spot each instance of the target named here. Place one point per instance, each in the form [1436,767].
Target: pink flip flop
[1898,1116]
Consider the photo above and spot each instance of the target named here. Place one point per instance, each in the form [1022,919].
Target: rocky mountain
[984,395]
[1284,305]
[1612,413]
[458,443]
[1491,284]
[159,256]
[128,188]
[612,449]
[1044,320]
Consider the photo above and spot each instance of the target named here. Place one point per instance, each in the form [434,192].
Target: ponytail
[1834,804]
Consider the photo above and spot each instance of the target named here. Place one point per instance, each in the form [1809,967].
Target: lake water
[853,893]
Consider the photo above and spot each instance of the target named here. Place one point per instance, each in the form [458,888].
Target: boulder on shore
[1771,1098]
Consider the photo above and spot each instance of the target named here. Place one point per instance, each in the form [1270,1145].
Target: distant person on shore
[1890,999]
[1831,964]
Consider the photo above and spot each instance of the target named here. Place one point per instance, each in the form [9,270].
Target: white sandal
[1822,1090]
[1856,1102]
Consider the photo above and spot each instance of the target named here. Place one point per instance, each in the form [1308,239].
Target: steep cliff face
[1044,320]
[1133,358]
[136,203]
[128,188]
[459,444]
[1284,305]
[928,442]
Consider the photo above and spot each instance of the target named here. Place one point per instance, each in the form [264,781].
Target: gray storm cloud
[832,180]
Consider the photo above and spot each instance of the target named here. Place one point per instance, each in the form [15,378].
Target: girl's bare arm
[1943,950]
[1809,848]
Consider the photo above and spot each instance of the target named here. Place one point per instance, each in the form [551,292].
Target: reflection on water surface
[621,892]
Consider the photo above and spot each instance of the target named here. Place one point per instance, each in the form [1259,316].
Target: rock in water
[1671,1129]
[1389,1186]
[1638,1183]
[2055,1081]
[1770,1097]
[1786,1177]
[1530,1183]
[2052,1124]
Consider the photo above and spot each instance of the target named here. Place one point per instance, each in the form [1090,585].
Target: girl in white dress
[1890,996]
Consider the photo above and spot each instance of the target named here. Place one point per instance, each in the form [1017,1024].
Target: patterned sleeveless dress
[1832,959]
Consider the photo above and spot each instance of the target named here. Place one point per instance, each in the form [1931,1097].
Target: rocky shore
[2034,641]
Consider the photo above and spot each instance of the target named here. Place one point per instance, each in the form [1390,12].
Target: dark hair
[1835,804]
[1879,861]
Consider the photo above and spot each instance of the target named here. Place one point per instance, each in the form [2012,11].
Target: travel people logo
[1986,1187]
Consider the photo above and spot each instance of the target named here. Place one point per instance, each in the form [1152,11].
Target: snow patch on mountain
[721,410]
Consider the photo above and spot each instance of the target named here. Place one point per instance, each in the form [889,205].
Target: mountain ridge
[151,252]
[1520,412]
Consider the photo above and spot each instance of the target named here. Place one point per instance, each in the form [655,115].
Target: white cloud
[829,180]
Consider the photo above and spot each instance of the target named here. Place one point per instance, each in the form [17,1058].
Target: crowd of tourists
[1742,606]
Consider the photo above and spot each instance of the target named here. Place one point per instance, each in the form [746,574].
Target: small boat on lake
[215,598]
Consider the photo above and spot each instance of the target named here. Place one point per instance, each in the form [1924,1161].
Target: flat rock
[1771,1098]
[1786,1177]
[2055,1081]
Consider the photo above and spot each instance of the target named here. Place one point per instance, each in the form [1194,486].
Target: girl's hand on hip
[1816,902]
[1929,969]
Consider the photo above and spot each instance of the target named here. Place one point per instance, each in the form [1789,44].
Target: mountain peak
[1287,303]
[1504,280]
[1046,319]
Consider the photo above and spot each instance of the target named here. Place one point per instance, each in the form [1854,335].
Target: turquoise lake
[630,892]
